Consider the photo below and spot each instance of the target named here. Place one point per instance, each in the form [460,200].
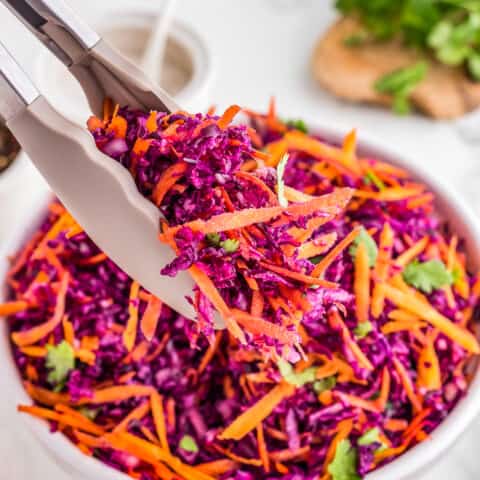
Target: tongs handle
[57,26]
[16,89]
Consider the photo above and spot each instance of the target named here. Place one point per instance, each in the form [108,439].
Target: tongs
[97,190]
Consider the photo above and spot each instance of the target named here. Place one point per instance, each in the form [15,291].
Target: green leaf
[344,464]
[427,276]
[60,360]
[363,329]
[356,39]
[440,35]
[213,239]
[369,437]
[230,245]
[298,124]
[298,379]
[474,66]
[402,80]
[371,177]
[188,444]
[89,413]
[324,384]
[372,249]
[280,182]
[453,54]
[316,260]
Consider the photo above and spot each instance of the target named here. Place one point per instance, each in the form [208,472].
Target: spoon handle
[55,25]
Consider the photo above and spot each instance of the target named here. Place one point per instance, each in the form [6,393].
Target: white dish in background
[409,466]
[187,71]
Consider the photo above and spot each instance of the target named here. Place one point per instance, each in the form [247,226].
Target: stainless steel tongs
[98,191]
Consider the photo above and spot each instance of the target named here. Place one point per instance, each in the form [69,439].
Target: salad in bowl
[335,294]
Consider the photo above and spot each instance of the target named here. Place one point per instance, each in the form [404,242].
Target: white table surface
[261,48]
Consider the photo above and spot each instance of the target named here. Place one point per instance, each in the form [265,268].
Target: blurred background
[221,52]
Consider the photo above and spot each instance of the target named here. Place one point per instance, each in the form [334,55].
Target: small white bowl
[408,466]
[188,72]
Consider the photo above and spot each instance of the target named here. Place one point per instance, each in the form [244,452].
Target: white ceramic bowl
[190,60]
[409,466]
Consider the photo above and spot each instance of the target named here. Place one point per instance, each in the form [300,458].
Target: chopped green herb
[474,66]
[372,249]
[400,84]
[230,245]
[280,182]
[213,239]
[427,276]
[188,444]
[60,360]
[316,260]
[324,384]
[363,329]
[297,379]
[369,437]
[89,413]
[371,177]
[298,124]
[344,464]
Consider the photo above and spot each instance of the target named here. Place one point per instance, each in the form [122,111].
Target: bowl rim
[449,204]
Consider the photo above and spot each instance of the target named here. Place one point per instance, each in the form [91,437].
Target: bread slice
[351,72]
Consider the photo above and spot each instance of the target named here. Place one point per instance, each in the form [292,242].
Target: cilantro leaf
[213,239]
[60,360]
[324,384]
[427,276]
[400,83]
[363,329]
[316,260]
[280,182]
[89,413]
[188,444]
[344,464]
[230,245]
[369,437]
[298,379]
[372,249]
[298,124]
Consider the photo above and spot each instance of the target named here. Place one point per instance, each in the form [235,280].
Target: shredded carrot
[148,324]
[289,454]
[336,321]
[395,425]
[415,400]
[94,260]
[426,312]
[382,267]
[118,126]
[299,277]
[71,420]
[210,353]
[151,123]
[210,291]
[358,402]
[34,351]
[349,148]
[94,123]
[399,326]
[12,308]
[44,396]
[68,331]
[159,419]
[361,284]
[260,184]
[429,376]
[317,247]
[167,180]
[217,467]
[254,462]
[229,114]
[276,150]
[323,265]
[413,252]
[382,399]
[333,155]
[331,203]
[259,326]
[136,414]
[262,448]
[252,417]
[28,337]
[117,394]
[257,305]
[107,109]
[130,333]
